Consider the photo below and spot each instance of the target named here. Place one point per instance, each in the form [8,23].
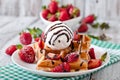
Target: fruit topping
[41,44]
[53,56]
[94,63]
[92,53]
[72,57]
[64,67]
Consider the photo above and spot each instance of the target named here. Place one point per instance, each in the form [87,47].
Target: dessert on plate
[61,53]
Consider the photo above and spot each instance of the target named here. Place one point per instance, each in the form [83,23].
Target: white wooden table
[11,26]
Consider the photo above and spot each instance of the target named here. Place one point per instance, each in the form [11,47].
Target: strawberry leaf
[103,57]
[92,36]
[95,25]
[104,26]
[19,46]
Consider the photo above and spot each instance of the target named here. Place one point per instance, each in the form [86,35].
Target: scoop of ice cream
[58,36]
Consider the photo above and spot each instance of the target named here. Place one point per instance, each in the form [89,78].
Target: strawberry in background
[83,28]
[45,12]
[53,6]
[89,19]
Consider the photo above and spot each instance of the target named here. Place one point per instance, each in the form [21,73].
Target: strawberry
[64,16]
[69,6]
[41,44]
[27,54]
[76,37]
[94,63]
[72,57]
[92,53]
[53,6]
[83,27]
[89,19]
[11,49]
[52,18]
[37,39]
[45,13]
[52,56]
[62,9]
[64,67]
[74,12]
[25,38]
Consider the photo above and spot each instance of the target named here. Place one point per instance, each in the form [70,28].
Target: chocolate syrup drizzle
[55,27]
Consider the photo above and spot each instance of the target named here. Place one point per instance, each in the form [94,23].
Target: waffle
[82,47]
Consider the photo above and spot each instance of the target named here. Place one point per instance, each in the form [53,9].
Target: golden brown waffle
[82,47]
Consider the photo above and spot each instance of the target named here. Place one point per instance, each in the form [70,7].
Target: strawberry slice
[52,56]
[41,44]
[27,54]
[92,53]
[64,67]
[94,63]
[72,57]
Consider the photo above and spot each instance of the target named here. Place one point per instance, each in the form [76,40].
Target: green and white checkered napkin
[12,71]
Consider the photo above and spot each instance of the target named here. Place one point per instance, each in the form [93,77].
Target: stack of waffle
[81,47]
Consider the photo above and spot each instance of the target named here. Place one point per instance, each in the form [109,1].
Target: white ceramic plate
[32,67]
[71,23]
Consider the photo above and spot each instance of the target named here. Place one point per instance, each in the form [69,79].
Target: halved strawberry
[92,53]
[76,36]
[53,56]
[94,63]
[72,57]
[41,44]
[27,54]
[64,67]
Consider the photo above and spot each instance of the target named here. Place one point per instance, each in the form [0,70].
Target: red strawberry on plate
[63,16]
[64,67]
[45,13]
[76,36]
[94,63]
[27,54]
[25,38]
[92,53]
[11,49]
[83,27]
[72,57]
[89,19]
[53,6]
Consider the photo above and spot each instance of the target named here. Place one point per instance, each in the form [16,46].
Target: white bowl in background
[72,23]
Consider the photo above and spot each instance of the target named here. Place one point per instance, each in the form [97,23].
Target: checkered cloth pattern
[13,72]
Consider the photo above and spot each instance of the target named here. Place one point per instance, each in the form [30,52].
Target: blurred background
[104,9]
